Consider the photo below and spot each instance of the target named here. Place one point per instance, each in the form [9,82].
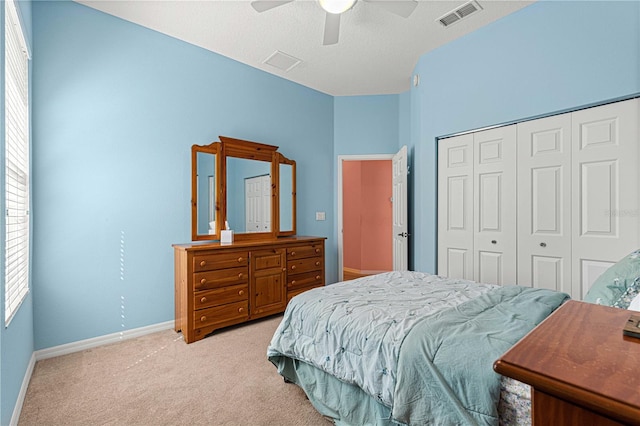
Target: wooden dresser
[218,285]
[581,368]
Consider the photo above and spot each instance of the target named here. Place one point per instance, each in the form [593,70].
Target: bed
[409,348]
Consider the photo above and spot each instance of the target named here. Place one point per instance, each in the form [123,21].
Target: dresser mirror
[246,184]
[287,188]
[205,193]
[248,195]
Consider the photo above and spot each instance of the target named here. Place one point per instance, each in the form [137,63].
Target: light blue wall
[366,124]
[16,340]
[547,57]
[116,110]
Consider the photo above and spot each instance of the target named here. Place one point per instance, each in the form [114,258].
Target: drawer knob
[494,242]
[240,259]
[318,263]
[317,277]
[202,263]
[284,269]
[240,309]
[241,292]
[240,275]
[203,318]
[202,281]
[293,253]
[543,244]
[203,300]
[317,250]
[293,267]
[293,282]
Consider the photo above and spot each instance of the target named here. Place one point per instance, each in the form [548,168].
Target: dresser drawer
[307,279]
[220,314]
[299,266]
[221,296]
[221,278]
[300,252]
[211,261]
[267,259]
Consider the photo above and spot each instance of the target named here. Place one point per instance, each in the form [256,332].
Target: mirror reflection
[248,195]
[286,197]
[249,185]
[206,191]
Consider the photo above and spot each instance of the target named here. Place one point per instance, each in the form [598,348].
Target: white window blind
[16,102]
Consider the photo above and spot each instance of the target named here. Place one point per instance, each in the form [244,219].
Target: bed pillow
[619,284]
[635,304]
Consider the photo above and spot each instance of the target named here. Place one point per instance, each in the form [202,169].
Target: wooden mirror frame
[214,149]
[238,148]
[284,160]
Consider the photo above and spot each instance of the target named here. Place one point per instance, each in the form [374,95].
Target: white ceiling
[376,53]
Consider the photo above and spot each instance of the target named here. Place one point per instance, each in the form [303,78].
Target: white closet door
[494,176]
[544,203]
[455,207]
[605,189]
[258,204]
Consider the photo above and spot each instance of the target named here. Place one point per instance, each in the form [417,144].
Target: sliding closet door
[455,207]
[544,203]
[605,189]
[494,177]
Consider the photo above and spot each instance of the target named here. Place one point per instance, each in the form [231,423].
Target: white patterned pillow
[635,304]
[619,284]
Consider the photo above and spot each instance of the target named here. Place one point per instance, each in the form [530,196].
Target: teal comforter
[419,344]
[445,373]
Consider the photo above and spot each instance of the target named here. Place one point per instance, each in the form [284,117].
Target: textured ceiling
[376,53]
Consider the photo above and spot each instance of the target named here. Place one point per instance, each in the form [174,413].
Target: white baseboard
[81,345]
[23,391]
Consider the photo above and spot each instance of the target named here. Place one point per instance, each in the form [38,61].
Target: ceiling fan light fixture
[336,6]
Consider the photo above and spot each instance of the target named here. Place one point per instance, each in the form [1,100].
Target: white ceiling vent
[282,61]
[459,13]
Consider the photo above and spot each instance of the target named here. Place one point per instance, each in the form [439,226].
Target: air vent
[459,13]
[282,61]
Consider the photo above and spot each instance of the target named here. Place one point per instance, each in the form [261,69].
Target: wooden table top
[579,354]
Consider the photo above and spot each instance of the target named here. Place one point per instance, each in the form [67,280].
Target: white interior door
[605,189]
[258,203]
[455,207]
[400,225]
[544,203]
[494,176]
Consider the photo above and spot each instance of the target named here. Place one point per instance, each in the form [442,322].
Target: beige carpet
[157,379]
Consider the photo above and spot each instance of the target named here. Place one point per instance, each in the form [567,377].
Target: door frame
[341,158]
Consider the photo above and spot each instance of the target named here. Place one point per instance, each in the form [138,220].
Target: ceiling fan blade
[402,8]
[264,5]
[331,29]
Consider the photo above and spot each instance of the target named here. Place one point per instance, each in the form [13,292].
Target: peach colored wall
[377,220]
[351,194]
[367,215]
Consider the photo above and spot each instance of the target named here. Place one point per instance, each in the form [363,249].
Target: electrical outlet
[320,216]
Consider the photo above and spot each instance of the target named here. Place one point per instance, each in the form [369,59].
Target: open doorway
[372,214]
[367,211]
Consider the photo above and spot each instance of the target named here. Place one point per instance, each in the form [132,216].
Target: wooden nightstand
[581,368]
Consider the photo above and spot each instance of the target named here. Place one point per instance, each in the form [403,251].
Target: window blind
[16,92]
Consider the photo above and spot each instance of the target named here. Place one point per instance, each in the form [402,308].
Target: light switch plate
[320,216]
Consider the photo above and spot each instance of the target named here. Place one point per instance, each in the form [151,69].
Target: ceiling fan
[334,8]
